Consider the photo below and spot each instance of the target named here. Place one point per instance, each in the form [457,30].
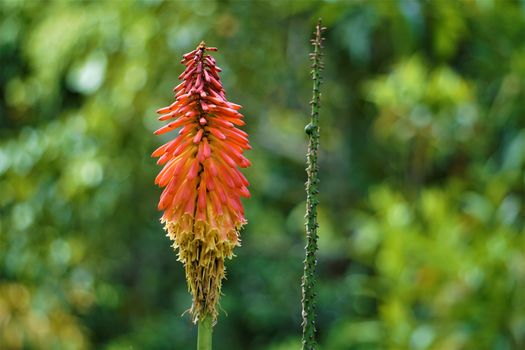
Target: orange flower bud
[202,182]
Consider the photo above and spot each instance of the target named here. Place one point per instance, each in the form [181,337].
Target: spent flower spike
[202,183]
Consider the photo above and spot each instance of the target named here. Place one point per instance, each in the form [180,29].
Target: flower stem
[204,333]
[312,191]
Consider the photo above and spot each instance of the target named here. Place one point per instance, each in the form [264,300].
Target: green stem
[204,333]
[312,194]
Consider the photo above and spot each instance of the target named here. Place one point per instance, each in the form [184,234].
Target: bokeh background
[422,240]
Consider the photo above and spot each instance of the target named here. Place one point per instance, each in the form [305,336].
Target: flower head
[202,182]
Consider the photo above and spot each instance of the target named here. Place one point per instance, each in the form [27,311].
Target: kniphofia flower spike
[202,183]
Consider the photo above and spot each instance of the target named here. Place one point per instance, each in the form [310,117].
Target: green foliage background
[422,240]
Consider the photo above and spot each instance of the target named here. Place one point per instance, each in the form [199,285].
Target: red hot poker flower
[202,183]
